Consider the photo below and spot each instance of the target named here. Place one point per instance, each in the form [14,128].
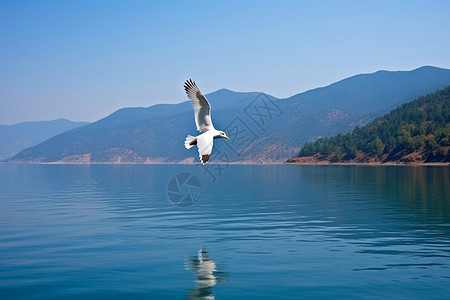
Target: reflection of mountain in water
[206,275]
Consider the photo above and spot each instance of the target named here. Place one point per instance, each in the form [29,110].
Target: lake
[224,232]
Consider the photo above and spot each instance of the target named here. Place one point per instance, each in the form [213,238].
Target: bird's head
[222,135]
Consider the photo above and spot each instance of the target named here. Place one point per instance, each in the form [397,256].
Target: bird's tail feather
[190,141]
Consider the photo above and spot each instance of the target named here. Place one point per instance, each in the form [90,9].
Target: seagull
[202,113]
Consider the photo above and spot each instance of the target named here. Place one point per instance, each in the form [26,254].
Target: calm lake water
[249,232]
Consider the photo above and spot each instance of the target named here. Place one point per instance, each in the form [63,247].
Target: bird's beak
[227,137]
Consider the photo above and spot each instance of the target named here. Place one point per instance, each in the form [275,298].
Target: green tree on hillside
[422,126]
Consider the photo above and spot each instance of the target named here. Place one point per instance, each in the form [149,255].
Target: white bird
[202,113]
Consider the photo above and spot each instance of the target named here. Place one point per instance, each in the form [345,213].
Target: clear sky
[82,60]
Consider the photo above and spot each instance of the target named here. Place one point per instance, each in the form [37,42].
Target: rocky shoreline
[314,161]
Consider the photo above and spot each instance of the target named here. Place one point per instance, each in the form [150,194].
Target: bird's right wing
[202,109]
[205,145]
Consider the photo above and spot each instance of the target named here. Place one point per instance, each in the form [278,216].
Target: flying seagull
[202,113]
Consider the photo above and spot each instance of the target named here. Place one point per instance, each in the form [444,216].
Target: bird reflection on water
[206,276]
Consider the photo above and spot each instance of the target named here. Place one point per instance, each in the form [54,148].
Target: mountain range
[261,128]
[17,137]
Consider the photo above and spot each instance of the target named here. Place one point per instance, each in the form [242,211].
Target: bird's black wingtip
[189,84]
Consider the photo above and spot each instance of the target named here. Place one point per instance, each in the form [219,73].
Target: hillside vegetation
[418,131]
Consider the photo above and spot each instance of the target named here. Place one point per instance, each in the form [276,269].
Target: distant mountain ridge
[262,128]
[17,137]
[415,132]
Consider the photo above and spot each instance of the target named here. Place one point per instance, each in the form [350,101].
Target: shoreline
[316,160]
[323,163]
[140,163]
[415,164]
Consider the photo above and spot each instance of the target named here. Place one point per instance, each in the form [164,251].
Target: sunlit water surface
[256,232]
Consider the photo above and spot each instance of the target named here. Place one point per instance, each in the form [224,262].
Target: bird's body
[202,112]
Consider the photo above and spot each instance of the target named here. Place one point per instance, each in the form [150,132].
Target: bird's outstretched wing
[205,145]
[202,109]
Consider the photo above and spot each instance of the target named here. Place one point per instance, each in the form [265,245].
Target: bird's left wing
[202,109]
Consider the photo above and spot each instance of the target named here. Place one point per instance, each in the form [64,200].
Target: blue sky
[82,60]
